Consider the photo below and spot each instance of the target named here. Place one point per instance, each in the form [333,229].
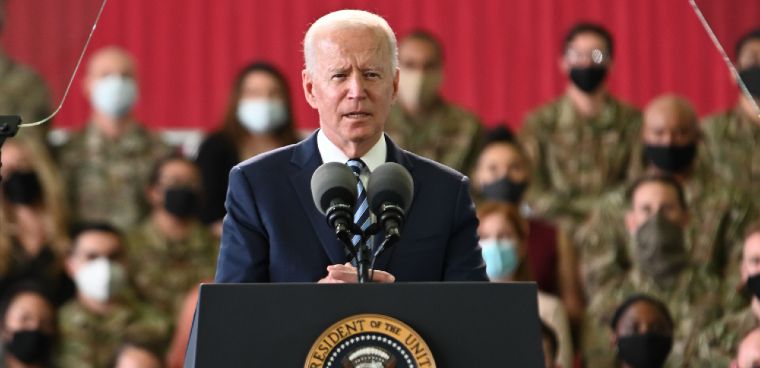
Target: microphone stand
[8,128]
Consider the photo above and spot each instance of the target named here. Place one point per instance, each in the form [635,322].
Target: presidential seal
[369,341]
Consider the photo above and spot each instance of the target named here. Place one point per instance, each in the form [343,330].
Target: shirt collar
[331,153]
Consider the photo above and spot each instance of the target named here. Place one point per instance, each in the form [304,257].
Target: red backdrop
[501,55]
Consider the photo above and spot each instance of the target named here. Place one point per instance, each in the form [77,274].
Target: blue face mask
[500,256]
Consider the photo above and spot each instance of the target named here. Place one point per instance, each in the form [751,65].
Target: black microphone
[390,191]
[333,188]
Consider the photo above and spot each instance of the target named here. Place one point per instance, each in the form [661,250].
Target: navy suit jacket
[273,232]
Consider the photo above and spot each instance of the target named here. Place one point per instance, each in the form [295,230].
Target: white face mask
[114,95]
[100,279]
[261,115]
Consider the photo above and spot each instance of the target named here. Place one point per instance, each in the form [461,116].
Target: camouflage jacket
[733,140]
[90,340]
[447,134]
[716,345]
[107,179]
[163,270]
[692,298]
[576,159]
[23,92]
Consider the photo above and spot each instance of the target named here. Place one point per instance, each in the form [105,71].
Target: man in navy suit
[273,232]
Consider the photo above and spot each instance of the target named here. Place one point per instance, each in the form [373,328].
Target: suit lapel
[397,155]
[306,157]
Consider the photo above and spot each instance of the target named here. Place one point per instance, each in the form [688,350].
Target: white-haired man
[274,233]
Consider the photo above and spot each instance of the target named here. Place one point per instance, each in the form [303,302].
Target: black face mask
[753,284]
[22,187]
[181,202]
[647,350]
[589,78]
[673,159]
[30,346]
[504,190]
[751,79]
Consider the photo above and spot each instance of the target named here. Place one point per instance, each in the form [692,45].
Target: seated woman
[27,326]
[642,332]
[503,234]
[259,118]
[33,240]
[502,174]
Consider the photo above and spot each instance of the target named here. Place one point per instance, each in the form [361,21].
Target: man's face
[650,198]
[92,245]
[640,318]
[585,50]
[665,126]
[500,160]
[352,85]
[751,257]
[749,55]
[176,173]
[107,63]
[29,311]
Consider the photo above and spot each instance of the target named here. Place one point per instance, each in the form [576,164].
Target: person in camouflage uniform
[23,93]
[171,251]
[716,344]
[670,145]
[106,309]
[422,122]
[106,166]
[660,267]
[733,136]
[641,332]
[579,144]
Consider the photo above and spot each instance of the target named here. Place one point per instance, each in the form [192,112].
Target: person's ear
[397,73]
[308,88]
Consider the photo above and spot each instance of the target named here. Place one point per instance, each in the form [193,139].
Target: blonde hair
[53,206]
[348,19]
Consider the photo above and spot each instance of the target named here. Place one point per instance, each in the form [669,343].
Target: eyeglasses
[595,56]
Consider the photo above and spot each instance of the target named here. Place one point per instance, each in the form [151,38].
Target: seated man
[106,165]
[580,144]
[670,145]
[171,251]
[659,266]
[105,309]
[715,345]
[731,136]
[422,121]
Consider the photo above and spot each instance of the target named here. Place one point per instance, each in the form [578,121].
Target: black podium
[279,325]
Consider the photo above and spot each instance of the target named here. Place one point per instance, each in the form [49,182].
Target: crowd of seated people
[640,228]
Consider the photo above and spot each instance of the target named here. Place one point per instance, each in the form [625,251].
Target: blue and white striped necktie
[361,214]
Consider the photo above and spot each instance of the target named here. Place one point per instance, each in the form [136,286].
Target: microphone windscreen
[390,183]
[333,181]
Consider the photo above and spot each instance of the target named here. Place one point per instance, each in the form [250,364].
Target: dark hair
[232,127]
[155,171]
[423,35]
[659,305]
[78,229]
[549,334]
[152,345]
[23,287]
[500,133]
[588,27]
[744,39]
[665,179]
[752,229]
